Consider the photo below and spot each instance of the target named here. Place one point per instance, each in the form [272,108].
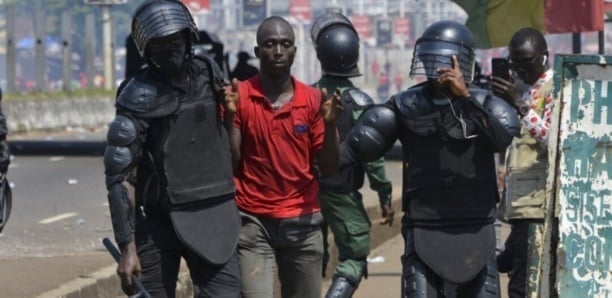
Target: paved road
[59,207]
[60,215]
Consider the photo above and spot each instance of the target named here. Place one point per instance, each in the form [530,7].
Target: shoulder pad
[357,96]
[210,64]
[374,134]
[479,94]
[503,112]
[412,103]
[141,97]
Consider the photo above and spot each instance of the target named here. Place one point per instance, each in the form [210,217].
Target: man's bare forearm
[330,153]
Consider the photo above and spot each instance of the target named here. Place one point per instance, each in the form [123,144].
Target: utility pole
[90,45]
[40,48]
[109,69]
[66,50]
[107,39]
[11,51]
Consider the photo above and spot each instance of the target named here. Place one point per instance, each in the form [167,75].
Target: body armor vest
[450,179]
[193,129]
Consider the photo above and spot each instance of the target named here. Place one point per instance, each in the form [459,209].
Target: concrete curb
[105,283]
[45,148]
[101,283]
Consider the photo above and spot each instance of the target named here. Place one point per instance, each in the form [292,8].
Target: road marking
[105,204]
[57,218]
[56,158]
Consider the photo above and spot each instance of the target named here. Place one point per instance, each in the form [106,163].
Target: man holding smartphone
[527,158]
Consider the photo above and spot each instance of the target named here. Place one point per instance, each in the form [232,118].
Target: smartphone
[500,68]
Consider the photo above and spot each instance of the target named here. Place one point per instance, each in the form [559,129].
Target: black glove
[5,156]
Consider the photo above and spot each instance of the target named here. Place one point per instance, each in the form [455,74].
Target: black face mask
[167,54]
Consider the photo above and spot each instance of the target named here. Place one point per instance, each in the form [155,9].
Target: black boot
[340,288]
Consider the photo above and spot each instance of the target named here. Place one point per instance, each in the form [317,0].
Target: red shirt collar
[299,90]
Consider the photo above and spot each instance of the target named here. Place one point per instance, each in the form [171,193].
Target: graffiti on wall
[585,195]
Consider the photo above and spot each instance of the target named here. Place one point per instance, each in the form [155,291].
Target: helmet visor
[429,55]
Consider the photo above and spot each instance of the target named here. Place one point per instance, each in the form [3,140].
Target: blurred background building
[387,28]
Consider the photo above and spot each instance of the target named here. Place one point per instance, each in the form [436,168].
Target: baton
[117,255]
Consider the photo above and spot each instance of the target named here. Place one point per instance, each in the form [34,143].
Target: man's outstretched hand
[229,94]
[331,107]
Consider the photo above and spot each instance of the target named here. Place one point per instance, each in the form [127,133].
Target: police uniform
[169,143]
[337,46]
[449,190]
[5,160]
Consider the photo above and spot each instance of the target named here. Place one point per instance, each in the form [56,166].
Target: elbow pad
[121,148]
[122,213]
[373,135]
[118,158]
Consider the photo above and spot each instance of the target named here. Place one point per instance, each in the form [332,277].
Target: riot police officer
[168,165]
[5,160]
[337,46]
[449,135]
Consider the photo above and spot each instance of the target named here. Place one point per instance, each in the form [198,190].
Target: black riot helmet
[436,46]
[160,18]
[337,45]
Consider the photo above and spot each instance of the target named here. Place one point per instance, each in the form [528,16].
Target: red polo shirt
[276,177]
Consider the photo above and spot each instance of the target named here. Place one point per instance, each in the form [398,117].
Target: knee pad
[417,280]
[490,289]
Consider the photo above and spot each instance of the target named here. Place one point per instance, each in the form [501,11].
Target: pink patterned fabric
[537,121]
